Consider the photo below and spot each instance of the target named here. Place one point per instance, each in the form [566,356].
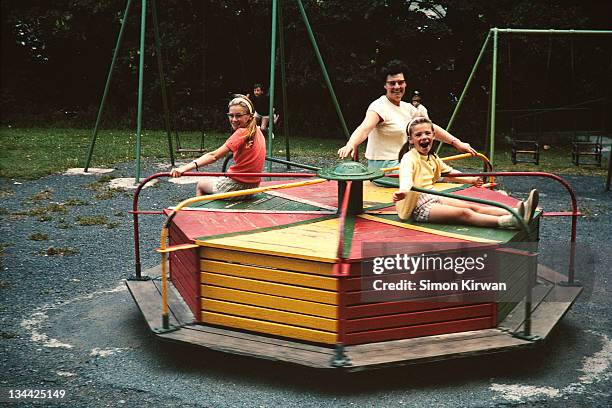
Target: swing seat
[587,146]
[525,151]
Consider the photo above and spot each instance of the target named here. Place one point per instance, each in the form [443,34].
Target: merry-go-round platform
[281,275]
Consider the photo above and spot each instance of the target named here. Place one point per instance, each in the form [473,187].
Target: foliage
[56,57]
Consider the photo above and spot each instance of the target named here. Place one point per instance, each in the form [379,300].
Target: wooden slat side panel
[269,261]
[185,281]
[270,301]
[192,300]
[386,308]
[417,318]
[270,275]
[271,315]
[251,285]
[420,330]
[276,329]
[184,272]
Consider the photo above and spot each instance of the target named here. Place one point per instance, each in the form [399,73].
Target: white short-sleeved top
[387,138]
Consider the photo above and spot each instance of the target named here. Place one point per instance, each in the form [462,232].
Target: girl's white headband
[239,99]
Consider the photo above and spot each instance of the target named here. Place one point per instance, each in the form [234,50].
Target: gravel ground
[67,321]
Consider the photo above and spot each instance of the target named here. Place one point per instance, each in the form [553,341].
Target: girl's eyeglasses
[235,115]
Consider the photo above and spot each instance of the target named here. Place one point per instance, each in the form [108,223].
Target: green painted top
[350,170]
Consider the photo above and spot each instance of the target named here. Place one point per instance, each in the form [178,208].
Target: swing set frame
[493,39]
[276,21]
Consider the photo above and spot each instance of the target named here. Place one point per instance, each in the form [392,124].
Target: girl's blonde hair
[415,121]
[245,102]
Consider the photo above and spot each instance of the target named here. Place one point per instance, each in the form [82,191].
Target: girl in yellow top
[421,168]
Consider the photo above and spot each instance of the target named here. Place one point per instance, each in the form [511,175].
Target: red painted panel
[367,231]
[417,318]
[322,193]
[387,308]
[192,301]
[487,194]
[189,277]
[419,331]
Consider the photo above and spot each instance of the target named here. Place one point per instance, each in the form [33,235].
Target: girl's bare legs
[205,186]
[482,209]
[450,214]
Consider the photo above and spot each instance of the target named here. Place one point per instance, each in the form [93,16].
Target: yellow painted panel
[427,230]
[293,292]
[315,241]
[270,328]
[270,261]
[373,194]
[267,274]
[269,301]
[277,316]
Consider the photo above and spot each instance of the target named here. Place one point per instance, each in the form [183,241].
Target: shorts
[226,184]
[423,205]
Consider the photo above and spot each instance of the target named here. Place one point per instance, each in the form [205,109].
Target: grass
[30,153]
[38,236]
[59,251]
[88,220]
[42,195]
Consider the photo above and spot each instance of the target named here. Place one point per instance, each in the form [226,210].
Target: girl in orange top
[248,145]
[421,168]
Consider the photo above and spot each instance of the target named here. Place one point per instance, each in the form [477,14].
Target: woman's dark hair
[393,67]
[416,121]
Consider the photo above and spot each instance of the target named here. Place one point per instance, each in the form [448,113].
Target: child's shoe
[531,204]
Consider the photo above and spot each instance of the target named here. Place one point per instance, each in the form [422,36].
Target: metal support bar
[271,86]
[323,69]
[162,80]
[550,31]
[107,86]
[525,334]
[281,38]
[465,88]
[143,23]
[493,97]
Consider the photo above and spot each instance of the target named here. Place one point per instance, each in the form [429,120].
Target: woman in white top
[385,123]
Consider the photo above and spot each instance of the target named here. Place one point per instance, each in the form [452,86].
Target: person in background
[416,102]
[262,106]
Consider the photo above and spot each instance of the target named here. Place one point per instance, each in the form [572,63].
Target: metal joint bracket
[529,337]
[138,278]
[162,330]
[340,359]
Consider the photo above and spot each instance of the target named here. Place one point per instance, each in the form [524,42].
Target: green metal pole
[272,79]
[162,80]
[143,22]
[465,88]
[493,97]
[551,31]
[281,37]
[323,69]
[107,86]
